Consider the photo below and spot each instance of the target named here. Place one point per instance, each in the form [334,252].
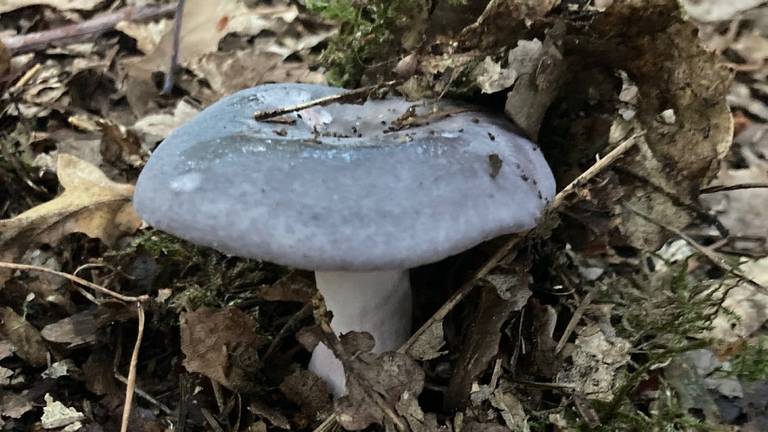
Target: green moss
[201,276]
[751,364]
[371,35]
[660,314]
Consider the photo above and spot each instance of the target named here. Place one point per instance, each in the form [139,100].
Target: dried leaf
[82,327]
[408,407]
[272,415]
[91,204]
[541,69]
[5,59]
[26,339]
[510,408]
[717,10]
[6,348]
[14,405]
[147,35]
[100,379]
[491,77]
[222,345]
[427,346]
[596,360]
[483,333]
[155,127]
[746,302]
[389,374]
[56,414]
[10,5]
[307,391]
[120,146]
[296,286]
[205,24]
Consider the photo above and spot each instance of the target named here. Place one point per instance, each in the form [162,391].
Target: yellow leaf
[91,204]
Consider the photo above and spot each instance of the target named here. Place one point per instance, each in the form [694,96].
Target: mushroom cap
[339,189]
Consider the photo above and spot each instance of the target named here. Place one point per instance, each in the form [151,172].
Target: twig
[146,396]
[502,252]
[577,314]
[81,281]
[169,77]
[351,95]
[740,186]
[131,384]
[554,386]
[84,30]
[598,167]
[711,255]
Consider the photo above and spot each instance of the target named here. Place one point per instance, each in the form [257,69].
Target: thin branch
[595,169]
[73,278]
[131,384]
[348,96]
[146,396]
[85,30]
[577,314]
[740,186]
[710,254]
[169,77]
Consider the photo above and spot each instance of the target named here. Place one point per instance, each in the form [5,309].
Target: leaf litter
[593,327]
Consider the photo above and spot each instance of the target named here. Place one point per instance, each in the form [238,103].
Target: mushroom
[343,191]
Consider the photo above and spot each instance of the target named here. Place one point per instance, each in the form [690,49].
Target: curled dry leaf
[91,204]
[26,339]
[222,345]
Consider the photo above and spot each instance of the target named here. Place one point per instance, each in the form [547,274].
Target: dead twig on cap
[348,96]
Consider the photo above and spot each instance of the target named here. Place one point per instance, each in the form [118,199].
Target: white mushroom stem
[378,303]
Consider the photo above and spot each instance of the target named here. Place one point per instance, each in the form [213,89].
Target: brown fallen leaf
[308,391]
[506,294]
[392,375]
[222,345]
[14,405]
[24,337]
[91,204]
[81,328]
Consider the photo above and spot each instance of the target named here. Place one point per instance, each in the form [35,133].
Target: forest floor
[97,307]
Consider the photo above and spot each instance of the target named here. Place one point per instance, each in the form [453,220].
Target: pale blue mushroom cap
[338,189]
